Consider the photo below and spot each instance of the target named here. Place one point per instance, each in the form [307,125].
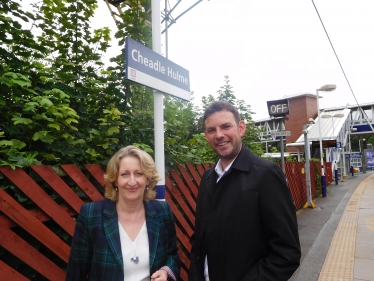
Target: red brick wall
[301,109]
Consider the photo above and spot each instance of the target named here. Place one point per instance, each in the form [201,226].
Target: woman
[128,236]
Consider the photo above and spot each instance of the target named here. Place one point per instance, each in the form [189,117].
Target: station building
[338,124]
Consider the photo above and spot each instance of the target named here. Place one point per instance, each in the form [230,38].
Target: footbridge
[338,124]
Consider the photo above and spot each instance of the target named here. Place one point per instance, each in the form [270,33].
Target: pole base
[312,205]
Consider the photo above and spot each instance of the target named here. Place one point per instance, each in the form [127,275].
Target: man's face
[224,135]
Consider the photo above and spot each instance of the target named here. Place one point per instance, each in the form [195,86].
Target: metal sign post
[280,108]
[282,151]
[159,105]
[309,203]
[281,134]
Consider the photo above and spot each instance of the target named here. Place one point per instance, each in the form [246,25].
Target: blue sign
[370,157]
[149,68]
[355,154]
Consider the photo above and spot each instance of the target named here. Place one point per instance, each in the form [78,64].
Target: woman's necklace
[135,258]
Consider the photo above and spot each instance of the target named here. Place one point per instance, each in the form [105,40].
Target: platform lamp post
[326,88]
[309,203]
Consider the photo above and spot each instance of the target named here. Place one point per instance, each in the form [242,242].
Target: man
[245,227]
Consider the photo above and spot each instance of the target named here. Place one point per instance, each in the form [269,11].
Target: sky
[271,49]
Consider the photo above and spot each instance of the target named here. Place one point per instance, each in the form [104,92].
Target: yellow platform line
[339,262]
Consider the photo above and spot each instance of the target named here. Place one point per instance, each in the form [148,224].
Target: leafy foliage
[59,103]
[226,93]
[355,141]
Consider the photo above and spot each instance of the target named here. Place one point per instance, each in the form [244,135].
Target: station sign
[148,68]
[325,143]
[277,108]
[282,133]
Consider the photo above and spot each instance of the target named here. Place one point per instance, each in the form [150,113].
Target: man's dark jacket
[246,224]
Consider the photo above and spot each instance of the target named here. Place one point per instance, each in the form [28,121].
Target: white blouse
[132,249]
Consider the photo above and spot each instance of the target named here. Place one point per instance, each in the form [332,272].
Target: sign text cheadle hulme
[149,68]
[157,66]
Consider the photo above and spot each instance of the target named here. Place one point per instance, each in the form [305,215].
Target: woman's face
[131,182]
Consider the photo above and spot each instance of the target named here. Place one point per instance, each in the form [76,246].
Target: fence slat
[49,175]
[200,169]
[22,217]
[185,260]
[8,273]
[37,213]
[183,188]
[183,238]
[96,171]
[183,274]
[296,182]
[328,172]
[188,180]
[185,241]
[313,176]
[178,214]
[80,179]
[39,197]
[177,195]
[193,172]
[206,166]
[21,249]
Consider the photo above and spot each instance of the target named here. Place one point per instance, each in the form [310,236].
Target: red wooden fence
[40,235]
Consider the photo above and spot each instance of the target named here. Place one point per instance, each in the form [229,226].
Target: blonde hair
[147,165]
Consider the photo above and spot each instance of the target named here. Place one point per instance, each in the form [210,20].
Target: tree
[31,107]
[60,104]
[370,140]
[250,139]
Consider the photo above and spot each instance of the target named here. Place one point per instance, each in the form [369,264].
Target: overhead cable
[346,78]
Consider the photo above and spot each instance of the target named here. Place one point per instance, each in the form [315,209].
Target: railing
[35,237]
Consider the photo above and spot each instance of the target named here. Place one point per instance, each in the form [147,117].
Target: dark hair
[217,106]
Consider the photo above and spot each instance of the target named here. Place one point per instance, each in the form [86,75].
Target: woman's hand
[159,275]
